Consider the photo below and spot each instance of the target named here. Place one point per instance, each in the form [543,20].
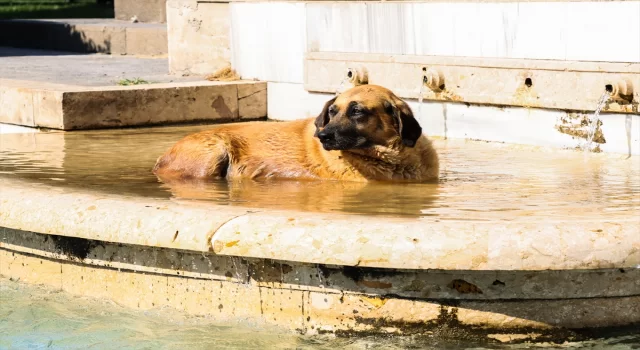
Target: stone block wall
[199,36]
[146,11]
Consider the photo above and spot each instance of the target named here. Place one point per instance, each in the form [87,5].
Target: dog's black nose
[325,136]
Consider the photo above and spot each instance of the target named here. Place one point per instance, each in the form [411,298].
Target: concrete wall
[269,41]
[530,30]
[199,36]
[589,31]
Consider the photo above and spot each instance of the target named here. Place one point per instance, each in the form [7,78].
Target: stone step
[107,36]
[68,92]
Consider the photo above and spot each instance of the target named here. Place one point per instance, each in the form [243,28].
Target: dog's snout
[325,136]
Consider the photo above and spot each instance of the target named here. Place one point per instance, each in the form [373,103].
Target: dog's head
[366,116]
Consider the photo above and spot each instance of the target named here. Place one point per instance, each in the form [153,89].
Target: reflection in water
[315,196]
[35,318]
[480,181]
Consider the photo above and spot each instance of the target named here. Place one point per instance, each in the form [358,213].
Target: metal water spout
[433,78]
[621,90]
[353,77]
[358,76]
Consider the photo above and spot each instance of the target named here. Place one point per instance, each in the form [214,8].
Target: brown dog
[365,134]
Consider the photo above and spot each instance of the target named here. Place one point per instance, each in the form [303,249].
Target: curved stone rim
[335,239]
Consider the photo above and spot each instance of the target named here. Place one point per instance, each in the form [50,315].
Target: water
[423,88]
[36,318]
[480,181]
[341,86]
[593,123]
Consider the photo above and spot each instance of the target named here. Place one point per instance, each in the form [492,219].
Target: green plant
[134,81]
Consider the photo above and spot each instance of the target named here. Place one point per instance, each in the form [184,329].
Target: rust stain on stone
[526,96]
[577,125]
[448,95]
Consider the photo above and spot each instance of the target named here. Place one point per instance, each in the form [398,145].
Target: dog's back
[252,150]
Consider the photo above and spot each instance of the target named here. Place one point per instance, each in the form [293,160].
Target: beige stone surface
[414,244]
[252,100]
[554,84]
[111,39]
[143,221]
[305,302]
[143,10]
[354,240]
[71,107]
[16,106]
[124,38]
[146,41]
[47,109]
[149,104]
[199,36]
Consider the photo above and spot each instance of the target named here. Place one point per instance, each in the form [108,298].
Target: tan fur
[290,150]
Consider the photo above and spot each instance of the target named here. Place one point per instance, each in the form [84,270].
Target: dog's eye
[333,110]
[357,111]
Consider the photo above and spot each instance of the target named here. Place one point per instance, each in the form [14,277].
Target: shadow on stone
[52,35]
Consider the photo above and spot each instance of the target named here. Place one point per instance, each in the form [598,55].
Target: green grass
[47,9]
[134,81]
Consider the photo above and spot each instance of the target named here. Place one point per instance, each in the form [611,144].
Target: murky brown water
[480,181]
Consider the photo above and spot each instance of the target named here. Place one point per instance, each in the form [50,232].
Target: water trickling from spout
[341,86]
[423,87]
[595,119]
[235,267]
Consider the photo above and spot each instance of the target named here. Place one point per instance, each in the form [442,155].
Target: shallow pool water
[36,318]
[480,181]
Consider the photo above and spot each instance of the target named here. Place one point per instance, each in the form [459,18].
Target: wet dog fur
[365,134]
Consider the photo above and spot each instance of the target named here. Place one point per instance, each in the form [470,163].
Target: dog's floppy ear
[323,118]
[408,127]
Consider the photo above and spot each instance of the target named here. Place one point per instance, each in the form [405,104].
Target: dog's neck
[394,153]
[377,153]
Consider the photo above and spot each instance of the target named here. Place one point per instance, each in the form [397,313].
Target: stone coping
[334,239]
[75,107]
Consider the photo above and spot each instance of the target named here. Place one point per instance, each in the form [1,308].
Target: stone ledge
[312,299]
[520,244]
[72,107]
[86,36]
[529,83]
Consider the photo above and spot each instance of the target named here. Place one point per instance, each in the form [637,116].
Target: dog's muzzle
[326,137]
[331,139]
